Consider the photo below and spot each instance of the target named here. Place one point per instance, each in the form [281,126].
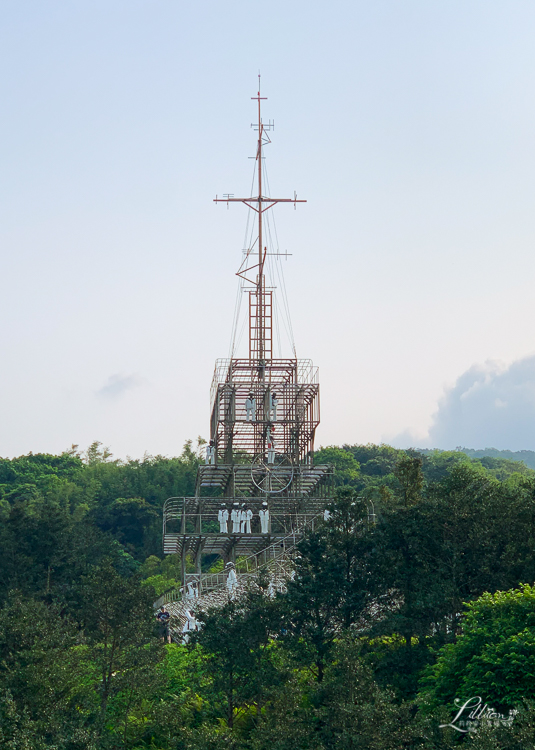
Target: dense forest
[413,598]
[528,457]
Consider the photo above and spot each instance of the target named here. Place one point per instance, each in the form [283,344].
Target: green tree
[410,476]
[494,657]
[331,587]
[119,627]
[434,551]
[346,711]
[128,520]
[519,736]
[347,469]
[17,730]
[45,674]
[237,638]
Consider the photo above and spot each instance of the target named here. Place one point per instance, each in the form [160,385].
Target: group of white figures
[241,518]
[191,590]
[191,623]
[250,408]
[250,416]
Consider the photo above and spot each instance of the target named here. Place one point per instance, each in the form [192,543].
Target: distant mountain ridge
[528,457]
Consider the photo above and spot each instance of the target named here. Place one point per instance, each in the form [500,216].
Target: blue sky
[408,126]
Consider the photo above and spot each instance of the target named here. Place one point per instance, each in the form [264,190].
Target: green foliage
[129,520]
[44,670]
[494,657]
[160,584]
[237,639]
[347,710]
[34,468]
[346,467]
[60,513]
[332,585]
[409,474]
[520,736]
[84,683]
[511,457]
[377,598]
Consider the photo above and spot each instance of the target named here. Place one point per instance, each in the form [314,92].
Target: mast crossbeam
[260,338]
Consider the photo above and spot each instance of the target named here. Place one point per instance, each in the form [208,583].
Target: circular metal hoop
[272,478]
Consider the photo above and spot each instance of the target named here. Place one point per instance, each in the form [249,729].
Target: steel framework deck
[294,382]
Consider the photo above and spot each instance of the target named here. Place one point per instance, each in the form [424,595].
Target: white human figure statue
[250,408]
[232,579]
[270,442]
[191,590]
[189,626]
[210,454]
[248,519]
[326,515]
[273,403]
[243,518]
[264,518]
[235,517]
[222,517]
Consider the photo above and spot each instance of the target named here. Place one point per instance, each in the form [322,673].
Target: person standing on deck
[250,408]
[273,403]
[222,517]
[263,514]
[270,443]
[243,518]
[163,618]
[232,579]
[235,517]
[210,454]
[248,519]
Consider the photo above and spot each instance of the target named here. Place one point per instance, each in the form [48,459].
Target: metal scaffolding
[293,383]
[264,415]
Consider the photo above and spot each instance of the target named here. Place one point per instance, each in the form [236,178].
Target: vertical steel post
[183,567]
[260,298]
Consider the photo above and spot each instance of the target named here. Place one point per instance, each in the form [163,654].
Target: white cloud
[489,406]
[117,385]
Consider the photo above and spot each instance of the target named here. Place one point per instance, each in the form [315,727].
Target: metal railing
[274,556]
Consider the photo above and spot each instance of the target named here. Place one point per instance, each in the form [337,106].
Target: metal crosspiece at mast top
[260,302]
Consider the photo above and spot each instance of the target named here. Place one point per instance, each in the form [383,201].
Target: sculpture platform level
[285,411]
[193,526]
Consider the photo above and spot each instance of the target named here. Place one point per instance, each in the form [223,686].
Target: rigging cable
[241,283]
[286,318]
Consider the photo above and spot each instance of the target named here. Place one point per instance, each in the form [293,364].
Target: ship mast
[261,313]
[260,299]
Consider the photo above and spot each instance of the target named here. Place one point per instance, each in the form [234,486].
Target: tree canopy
[414,592]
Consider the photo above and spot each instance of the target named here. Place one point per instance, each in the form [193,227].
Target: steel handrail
[176,594]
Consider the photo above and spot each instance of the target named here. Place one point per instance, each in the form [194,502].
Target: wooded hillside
[368,648]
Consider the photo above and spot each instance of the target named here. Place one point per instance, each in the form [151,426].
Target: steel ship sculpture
[259,488]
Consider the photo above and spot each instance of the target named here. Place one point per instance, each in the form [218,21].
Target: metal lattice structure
[190,524]
[295,384]
[260,459]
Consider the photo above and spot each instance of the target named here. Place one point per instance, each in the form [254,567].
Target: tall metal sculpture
[259,488]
